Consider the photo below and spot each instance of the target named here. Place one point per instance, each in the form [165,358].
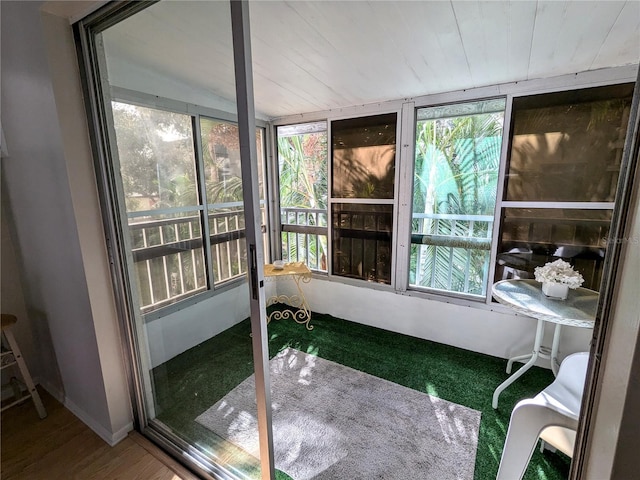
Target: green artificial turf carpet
[193,381]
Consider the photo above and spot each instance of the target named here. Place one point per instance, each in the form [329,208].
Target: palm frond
[456,170]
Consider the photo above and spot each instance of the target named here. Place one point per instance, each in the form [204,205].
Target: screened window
[362,241]
[560,182]
[565,148]
[454,195]
[364,154]
[302,169]
[534,236]
[363,184]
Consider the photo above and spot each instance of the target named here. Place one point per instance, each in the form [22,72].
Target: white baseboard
[121,434]
[111,438]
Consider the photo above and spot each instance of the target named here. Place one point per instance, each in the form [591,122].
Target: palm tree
[302,162]
[456,173]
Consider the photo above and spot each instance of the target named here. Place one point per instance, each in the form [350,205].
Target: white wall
[32,335]
[175,333]
[494,332]
[77,150]
[53,204]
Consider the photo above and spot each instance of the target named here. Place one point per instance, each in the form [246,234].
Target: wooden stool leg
[13,345]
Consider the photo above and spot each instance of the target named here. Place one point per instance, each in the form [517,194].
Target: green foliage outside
[302,162]
[157,167]
[155,150]
[157,158]
[302,165]
[456,171]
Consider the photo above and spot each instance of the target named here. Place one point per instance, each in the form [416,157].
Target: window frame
[276,218]
[197,208]
[195,112]
[502,204]
[394,202]
[209,208]
[329,117]
[500,182]
[405,151]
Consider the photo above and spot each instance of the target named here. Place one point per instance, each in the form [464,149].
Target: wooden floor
[62,447]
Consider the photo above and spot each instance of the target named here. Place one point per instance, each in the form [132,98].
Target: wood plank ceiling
[320,55]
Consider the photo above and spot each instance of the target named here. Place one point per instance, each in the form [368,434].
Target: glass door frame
[92,62]
[255,250]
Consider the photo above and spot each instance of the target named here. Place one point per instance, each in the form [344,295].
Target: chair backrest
[551,415]
[566,390]
[573,371]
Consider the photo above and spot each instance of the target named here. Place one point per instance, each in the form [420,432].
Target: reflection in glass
[567,146]
[188,355]
[362,241]
[157,169]
[157,160]
[223,181]
[364,152]
[454,195]
[533,237]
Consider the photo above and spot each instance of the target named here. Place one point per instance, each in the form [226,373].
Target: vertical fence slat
[467,268]
[434,255]
[458,228]
[176,232]
[167,286]
[193,257]
[238,250]
[148,267]
[450,273]
[307,245]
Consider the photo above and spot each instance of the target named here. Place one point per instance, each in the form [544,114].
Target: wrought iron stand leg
[305,317]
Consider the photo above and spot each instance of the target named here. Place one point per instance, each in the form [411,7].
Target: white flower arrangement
[559,272]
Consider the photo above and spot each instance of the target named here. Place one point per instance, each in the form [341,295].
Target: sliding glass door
[181,171]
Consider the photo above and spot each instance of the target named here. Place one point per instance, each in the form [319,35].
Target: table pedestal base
[538,352]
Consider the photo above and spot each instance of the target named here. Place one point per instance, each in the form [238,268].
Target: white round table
[526,297]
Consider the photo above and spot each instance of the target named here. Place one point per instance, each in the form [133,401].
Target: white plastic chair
[551,415]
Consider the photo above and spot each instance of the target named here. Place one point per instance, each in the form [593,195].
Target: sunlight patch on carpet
[331,421]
